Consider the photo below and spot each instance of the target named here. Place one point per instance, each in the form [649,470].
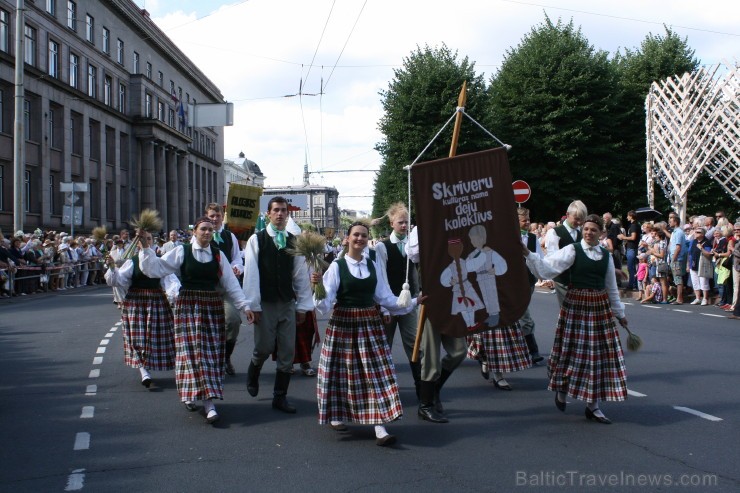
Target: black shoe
[600,419]
[146,382]
[280,402]
[339,427]
[502,386]
[385,441]
[253,375]
[428,413]
[559,404]
[484,370]
[229,369]
[536,358]
[190,406]
[213,418]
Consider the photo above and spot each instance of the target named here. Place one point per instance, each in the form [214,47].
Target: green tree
[553,101]
[419,100]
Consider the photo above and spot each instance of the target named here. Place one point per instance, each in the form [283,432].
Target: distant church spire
[305,169]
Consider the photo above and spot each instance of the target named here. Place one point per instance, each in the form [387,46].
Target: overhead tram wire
[345,46]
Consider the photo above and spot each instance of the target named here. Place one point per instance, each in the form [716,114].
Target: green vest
[198,276]
[586,273]
[139,280]
[565,240]
[353,292]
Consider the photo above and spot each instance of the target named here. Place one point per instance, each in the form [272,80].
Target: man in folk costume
[277,288]
[526,323]
[567,233]
[391,260]
[224,240]
[435,370]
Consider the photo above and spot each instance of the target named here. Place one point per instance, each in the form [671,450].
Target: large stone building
[318,204]
[242,171]
[103,93]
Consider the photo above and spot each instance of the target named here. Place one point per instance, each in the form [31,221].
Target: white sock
[208,406]
[497,375]
[594,407]
[144,373]
[380,431]
[336,423]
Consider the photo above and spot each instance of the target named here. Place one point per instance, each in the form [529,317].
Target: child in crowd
[656,292]
[642,273]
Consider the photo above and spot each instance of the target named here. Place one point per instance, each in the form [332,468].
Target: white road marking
[113,329]
[697,413]
[118,323]
[109,335]
[91,390]
[87,412]
[627,303]
[104,342]
[712,315]
[101,350]
[94,374]
[651,306]
[635,394]
[682,311]
[82,441]
[76,480]
[98,360]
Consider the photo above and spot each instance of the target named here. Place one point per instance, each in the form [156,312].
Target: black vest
[139,280]
[532,247]
[396,270]
[354,292]
[587,273]
[226,245]
[565,240]
[276,268]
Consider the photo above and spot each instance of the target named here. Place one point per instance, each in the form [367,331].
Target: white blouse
[170,263]
[123,276]
[561,260]
[359,270]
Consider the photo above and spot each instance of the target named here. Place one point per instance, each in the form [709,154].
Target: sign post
[71,212]
[522,191]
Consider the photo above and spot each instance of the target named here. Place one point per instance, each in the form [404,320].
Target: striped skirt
[586,359]
[503,349]
[200,335]
[148,330]
[356,378]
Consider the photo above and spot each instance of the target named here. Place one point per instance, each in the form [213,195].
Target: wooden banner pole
[461,99]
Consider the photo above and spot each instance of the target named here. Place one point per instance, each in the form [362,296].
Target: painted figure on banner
[465,300]
[487,264]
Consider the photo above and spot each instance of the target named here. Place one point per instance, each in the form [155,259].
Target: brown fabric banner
[472,266]
[242,209]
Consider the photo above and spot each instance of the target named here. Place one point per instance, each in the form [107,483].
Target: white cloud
[255,49]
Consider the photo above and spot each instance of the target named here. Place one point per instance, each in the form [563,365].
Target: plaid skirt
[586,359]
[503,349]
[148,331]
[306,338]
[356,378]
[200,335]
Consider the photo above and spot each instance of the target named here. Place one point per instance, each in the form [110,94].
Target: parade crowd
[183,300]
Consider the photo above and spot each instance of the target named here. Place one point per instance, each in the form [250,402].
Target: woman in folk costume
[357,379]
[200,334]
[586,361]
[147,322]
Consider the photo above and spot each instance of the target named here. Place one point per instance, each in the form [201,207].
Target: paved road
[75,418]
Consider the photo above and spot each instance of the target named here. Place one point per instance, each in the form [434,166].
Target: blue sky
[258,51]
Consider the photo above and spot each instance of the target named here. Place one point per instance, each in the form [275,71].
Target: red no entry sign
[522,192]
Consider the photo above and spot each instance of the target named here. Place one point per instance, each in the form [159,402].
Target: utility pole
[19,137]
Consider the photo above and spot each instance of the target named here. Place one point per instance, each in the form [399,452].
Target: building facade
[319,204]
[106,98]
[242,171]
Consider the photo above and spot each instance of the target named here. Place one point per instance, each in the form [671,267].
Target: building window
[148,105]
[74,61]
[121,97]
[75,127]
[51,195]
[54,59]
[27,185]
[72,15]
[92,81]
[148,70]
[2,187]
[27,119]
[160,78]
[160,111]
[50,128]
[30,44]
[2,111]
[136,63]
[106,41]
[94,139]
[107,88]
[90,28]
[4,31]
[120,52]
[51,7]
[171,117]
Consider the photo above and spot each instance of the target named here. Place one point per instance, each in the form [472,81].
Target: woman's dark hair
[595,218]
[660,233]
[358,223]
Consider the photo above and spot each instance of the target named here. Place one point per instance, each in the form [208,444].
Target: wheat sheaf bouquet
[149,221]
[312,247]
